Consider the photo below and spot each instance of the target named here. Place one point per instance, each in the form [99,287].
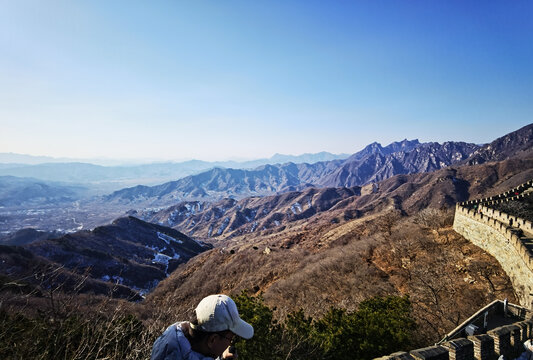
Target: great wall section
[509,239]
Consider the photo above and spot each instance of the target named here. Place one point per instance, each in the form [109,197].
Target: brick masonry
[508,239]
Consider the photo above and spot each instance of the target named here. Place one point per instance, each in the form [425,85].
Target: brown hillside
[391,238]
[257,217]
[445,275]
[330,259]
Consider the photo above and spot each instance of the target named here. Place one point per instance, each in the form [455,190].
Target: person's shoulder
[176,327]
[167,345]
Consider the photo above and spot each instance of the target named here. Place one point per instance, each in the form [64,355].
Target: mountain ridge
[364,167]
[391,237]
[516,142]
[113,177]
[408,193]
[129,251]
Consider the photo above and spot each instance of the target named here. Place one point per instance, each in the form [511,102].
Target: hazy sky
[246,79]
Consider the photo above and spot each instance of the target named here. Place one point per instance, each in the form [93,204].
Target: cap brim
[243,329]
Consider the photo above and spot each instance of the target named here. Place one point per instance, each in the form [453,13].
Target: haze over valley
[357,176]
[229,207]
[377,222]
[68,196]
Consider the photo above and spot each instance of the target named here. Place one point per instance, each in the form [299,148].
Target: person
[209,334]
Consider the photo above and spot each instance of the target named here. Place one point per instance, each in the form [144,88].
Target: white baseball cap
[219,313]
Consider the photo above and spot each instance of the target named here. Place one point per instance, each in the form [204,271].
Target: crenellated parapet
[506,219]
[512,228]
[519,193]
[505,340]
[507,237]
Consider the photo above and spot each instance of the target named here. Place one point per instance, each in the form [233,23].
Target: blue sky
[214,80]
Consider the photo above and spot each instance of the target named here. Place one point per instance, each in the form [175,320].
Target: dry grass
[49,324]
[312,267]
[341,265]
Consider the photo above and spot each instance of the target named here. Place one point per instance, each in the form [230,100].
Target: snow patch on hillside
[252,215]
[223,227]
[167,238]
[296,208]
[254,226]
[164,259]
[161,259]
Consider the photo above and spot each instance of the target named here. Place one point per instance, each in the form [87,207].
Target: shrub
[381,325]
[435,218]
[267,332]
[384,325]
[74,336]
[106,330]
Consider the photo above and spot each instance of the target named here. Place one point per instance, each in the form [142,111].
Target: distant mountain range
[373,163]
[261,216]
[15,191]
[108,178]
[10,159]
[343,186]
[131,255]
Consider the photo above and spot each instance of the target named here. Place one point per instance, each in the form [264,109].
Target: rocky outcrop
[512,144]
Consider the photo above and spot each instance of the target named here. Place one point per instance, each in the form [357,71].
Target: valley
[299,245]
[65,218]
[46,205]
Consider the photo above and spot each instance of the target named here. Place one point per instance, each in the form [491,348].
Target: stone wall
[480,319]
[509,239]
[505,340]
[501,241]
[519,193]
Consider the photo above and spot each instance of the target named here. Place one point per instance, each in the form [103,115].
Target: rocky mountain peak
[519,141]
